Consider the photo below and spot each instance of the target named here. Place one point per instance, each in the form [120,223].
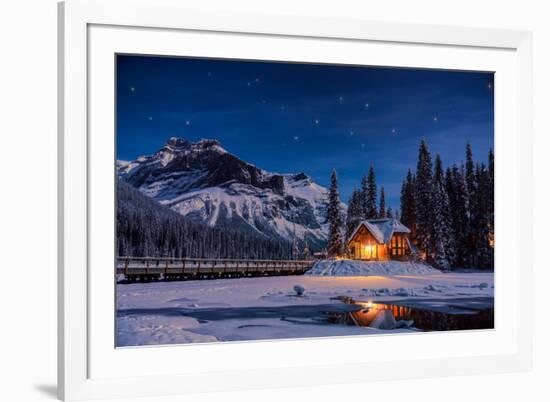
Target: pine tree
[295,249]
[481,219]
[306,252]
[424,200]
[382,210]
[471,193]
[389,213]
[364,197]
[491,194]
[334,217]
[408,204]
[371,208]
[443,244]
[354,214]
[456,189]
[470,177]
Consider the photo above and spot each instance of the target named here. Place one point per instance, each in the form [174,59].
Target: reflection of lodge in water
[424,319]
[380,240]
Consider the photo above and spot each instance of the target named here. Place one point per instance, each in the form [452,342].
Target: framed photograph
[252,201]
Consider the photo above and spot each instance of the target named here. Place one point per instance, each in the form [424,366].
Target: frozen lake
[270,308]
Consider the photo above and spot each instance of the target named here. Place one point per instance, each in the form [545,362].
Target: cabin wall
[399,247]
[365,247]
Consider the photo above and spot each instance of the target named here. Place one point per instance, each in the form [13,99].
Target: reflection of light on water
[370,305]
[370,310]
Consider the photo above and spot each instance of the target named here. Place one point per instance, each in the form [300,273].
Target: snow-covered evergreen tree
[306,252]
[295,249]
[424,200]
[491,194]
[456,189]
[364,197]
[408,204]
[371,208]
[470,176]
[481,219]
[334,216]
[443,243]
[382,210]
[389,213]
[354,214]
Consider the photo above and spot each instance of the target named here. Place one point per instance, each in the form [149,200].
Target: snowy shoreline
[269,308]
[366,268]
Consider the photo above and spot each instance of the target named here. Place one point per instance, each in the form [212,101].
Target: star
[248,84]
[435,119]
[489,86]
[351,133]
[366,105]
[362,145]
[257,80]
[317,121]
[341,98]
[393,131]
[150,118]
[132,89]
[296,138]
[187,122]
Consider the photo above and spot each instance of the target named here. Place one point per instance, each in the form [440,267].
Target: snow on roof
[382,229]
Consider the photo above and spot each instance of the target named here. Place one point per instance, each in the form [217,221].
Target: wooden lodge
[380,240]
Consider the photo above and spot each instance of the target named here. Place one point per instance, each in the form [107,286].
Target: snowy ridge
[366,268]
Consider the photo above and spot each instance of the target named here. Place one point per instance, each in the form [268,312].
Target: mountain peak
[204,182]
[177,143]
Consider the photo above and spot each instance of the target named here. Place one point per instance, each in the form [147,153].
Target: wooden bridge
[146,269]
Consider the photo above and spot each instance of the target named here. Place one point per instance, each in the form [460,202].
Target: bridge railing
[204,268]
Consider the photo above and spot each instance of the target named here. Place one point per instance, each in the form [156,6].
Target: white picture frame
[90,32]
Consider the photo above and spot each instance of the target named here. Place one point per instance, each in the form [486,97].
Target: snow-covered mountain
[204,182]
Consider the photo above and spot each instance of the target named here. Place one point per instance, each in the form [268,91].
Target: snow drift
[366,268]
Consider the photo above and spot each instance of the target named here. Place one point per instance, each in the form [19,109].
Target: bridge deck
[151,268]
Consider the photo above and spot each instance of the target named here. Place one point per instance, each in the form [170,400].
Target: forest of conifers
[146,228]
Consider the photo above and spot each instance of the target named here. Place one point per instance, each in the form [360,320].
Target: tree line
[451,211]
[146,228]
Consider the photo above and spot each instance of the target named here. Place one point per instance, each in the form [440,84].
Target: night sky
[309,118]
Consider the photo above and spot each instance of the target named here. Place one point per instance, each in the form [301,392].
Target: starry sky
[311,118]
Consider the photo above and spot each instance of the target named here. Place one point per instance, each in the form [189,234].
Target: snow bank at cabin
[366,268]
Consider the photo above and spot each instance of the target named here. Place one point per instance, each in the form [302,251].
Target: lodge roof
[382,229]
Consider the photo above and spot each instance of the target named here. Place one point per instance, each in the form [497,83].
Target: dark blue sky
[310,118]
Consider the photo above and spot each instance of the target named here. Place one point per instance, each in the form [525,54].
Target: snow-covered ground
[270,308]
[365,268]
